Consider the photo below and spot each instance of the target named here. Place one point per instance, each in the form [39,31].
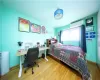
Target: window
[71,34]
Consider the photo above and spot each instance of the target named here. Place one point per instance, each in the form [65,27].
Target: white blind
[72,34]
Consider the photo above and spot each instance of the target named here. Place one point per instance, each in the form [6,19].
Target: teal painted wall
[91,44]
[0,26]
[11,35]
[98,42]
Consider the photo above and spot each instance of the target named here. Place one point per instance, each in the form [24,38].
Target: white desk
[23,52]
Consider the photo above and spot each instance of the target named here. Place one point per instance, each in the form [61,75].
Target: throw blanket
[72,56]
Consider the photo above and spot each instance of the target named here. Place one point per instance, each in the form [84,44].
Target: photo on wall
[89,24]
[89,28]
[43,30]
[35,28]
[89,21]
[24,25]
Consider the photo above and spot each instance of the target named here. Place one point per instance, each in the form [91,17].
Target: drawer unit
[4,62]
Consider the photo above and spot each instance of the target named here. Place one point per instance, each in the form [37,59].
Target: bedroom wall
[98,53]
[91,44]
[11,35]
[0,26]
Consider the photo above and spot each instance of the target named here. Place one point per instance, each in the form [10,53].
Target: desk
[23,52]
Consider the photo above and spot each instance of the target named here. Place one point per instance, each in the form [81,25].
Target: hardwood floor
[95,72]
[51,70]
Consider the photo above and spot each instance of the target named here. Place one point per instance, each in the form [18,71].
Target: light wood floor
[51,70]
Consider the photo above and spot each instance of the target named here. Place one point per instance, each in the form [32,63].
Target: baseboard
[17,66]
[14,67]
[93,63]
[0,76]
[98,67]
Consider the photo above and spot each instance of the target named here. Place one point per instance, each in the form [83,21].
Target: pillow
[53,41]
[58,44]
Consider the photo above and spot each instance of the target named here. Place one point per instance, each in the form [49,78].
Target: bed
[72,56]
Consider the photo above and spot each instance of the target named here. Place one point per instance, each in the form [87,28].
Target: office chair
[31,57]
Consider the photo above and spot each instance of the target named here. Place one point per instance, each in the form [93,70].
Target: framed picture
[89,21]
[23,25]
[89,28]
[35,28]
[43,29]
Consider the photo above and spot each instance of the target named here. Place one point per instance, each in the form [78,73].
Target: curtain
[60,37]
[83,39]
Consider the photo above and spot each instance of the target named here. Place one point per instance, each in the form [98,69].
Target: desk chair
[30,59]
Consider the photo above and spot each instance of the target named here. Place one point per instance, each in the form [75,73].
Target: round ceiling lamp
[58,14]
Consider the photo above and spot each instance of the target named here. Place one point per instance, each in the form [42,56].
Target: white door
[98,53]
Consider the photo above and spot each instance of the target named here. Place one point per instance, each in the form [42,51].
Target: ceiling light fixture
[58,14]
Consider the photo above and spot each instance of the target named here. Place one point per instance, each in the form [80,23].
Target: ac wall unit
[76,24]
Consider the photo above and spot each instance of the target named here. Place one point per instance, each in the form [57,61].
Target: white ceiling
[43,10]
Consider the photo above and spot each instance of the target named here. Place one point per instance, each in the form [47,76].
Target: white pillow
[58,44]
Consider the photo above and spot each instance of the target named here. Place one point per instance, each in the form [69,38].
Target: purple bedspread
[72,56]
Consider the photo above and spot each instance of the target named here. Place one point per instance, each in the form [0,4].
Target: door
[98,43]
